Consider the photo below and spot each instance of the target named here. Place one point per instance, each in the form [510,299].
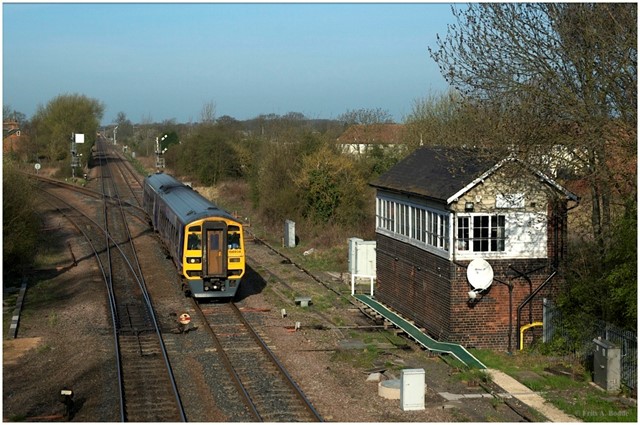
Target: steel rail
[237,382]
[109,288]
[139,277]
[105,228]
[149,304]
[84,190]
[274,359]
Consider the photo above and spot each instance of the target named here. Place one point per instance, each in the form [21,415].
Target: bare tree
[125,127]
[555,78]
[366,117]
[208,113]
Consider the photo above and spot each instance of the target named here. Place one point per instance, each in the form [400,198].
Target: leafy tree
[327,182]
[273,189]
[124,133]
[229,123]
[63,116]
[621,270]
[144,140]
[605,288]
[378,160]
[206,154]
[274,127]
[20,224]
[553,77]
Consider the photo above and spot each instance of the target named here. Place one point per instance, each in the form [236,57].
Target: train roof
[185,202]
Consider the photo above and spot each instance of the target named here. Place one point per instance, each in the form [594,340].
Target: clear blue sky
[166,61]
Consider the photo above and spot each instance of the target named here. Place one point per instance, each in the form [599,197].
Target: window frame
[417,224]
[481,233]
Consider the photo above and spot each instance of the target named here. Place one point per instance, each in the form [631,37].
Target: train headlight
[194,260]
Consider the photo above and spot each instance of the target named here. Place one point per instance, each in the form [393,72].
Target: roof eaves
[406,192]
[477,181]
[570,195]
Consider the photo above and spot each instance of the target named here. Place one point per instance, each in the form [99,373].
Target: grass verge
[572,392]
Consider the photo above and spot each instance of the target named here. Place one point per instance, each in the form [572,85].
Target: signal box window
[481,233]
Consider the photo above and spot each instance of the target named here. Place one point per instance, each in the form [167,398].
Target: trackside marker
[184,319]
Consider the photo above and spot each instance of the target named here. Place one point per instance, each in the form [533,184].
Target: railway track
[212,390]
[132,180]
[259,390]
[148,390]
[267,390]
[134,208]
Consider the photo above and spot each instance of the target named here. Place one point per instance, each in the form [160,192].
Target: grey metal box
[412,389]
[289,234]
[606,365]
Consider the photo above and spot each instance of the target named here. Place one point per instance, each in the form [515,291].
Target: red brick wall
[415,284]
[432,292]
[485,323]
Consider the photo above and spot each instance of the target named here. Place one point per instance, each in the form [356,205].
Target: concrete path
[512,387]
[530,398]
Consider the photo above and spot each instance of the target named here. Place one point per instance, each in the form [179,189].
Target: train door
[216,249]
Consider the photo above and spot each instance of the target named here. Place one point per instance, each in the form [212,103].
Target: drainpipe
[529,298]
[510,286]
[528,279]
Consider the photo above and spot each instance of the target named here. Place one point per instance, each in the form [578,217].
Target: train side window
[193,241]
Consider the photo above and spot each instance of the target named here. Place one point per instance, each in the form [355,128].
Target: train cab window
[233,240]
[193,241]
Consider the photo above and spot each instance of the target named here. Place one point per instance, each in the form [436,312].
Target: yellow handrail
[524,328]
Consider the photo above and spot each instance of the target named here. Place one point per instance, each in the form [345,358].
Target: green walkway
[430,344]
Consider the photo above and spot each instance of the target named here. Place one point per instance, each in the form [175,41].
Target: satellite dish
[480,274]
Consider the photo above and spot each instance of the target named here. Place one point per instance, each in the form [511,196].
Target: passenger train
[205,242]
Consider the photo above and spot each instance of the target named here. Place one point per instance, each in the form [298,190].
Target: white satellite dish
[480,274]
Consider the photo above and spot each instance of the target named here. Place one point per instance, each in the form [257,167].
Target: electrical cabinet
[412,389]
[606,365]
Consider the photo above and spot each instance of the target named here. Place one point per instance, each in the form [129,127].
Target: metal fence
[582,344]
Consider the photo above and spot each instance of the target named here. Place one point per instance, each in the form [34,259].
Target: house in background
[437,211]
[358,139]
[11,136]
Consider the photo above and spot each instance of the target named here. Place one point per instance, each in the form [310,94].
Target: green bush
[20,224]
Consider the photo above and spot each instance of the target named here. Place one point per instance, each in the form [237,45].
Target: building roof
[447,173]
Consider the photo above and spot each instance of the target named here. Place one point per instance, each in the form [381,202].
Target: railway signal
[75,158]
